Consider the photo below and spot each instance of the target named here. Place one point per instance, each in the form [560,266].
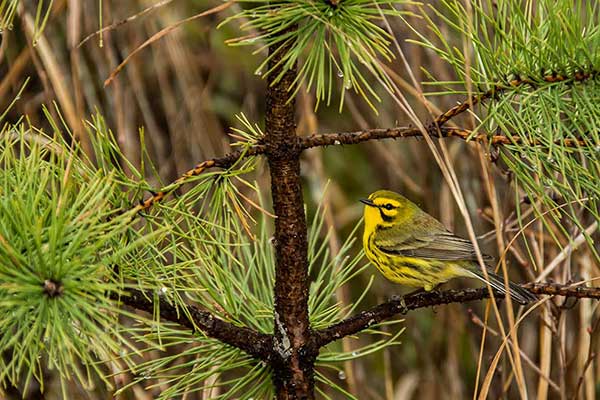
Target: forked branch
[260,345]
[436,129]
[333,139]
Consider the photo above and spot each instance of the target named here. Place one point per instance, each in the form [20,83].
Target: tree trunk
[292,362]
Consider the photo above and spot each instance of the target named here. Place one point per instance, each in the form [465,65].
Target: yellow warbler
[412,248]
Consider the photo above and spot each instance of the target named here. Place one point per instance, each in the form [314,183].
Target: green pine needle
[222,260]
[336,44]
[60,233]
[543,56]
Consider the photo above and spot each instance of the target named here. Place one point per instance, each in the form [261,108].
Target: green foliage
[60,235]
[250,135]
[541,59]
[331,40]
[511,39]
[217,256]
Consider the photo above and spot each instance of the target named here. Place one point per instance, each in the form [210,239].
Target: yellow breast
[410,271]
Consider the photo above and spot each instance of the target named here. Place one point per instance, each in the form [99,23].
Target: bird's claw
[399,299]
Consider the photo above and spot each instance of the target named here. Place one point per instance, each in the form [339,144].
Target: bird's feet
[400,299]
[424,289]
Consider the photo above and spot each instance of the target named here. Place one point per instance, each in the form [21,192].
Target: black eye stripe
[386,218]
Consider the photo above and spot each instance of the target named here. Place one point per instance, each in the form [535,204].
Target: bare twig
[564,253]
[332,139]
[125,21]
[404,304]
[591,355]
[587,364]
[496,90]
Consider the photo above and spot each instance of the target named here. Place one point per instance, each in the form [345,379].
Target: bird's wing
[427,239]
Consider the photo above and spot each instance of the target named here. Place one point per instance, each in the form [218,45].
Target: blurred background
[184,90]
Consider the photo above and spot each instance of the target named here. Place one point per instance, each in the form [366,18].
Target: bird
[412,248]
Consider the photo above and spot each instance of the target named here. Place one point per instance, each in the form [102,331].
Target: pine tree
[241,300]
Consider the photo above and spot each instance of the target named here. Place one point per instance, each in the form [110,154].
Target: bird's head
[386,208]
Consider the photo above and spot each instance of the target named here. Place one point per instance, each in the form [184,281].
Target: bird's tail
[517,293]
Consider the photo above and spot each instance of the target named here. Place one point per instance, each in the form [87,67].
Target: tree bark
[293,356]
[256,344]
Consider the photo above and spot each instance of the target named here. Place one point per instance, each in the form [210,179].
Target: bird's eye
[388,206]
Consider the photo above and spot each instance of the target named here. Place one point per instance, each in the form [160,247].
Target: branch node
[53,288]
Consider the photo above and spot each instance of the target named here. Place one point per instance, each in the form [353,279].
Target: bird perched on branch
[412,248]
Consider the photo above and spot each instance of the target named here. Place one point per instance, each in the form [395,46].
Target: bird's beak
[368,202]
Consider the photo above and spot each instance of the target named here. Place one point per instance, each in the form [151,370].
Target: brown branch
[496,90]
[222,162]
[435,130]
[462,107]
[254,343]
[332,139]
[163,32]
[403,305]
[556,289]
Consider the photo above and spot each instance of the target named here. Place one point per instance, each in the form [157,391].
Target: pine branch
[256,344]
[348,138]
[260,345]
[404,304]
[496,90]
[221,162]
[329,139]
[435,129]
